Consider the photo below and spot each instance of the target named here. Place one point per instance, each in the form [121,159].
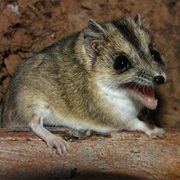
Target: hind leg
[61,146]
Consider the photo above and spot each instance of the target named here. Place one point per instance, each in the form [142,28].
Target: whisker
[170,58]
[168,86]
[137,86]
[170,68]
[174,77]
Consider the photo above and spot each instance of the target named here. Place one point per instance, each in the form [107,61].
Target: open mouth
[143,93]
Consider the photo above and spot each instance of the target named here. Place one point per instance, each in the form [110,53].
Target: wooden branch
[130,155]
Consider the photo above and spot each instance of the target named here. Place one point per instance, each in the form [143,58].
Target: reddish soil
[26,27]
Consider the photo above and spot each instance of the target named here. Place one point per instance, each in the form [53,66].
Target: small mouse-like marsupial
[98,79]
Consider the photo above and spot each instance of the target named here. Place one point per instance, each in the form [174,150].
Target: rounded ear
[138,21]
[94,37]
[96,27]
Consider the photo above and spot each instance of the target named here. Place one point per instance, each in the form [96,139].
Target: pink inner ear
[94,45]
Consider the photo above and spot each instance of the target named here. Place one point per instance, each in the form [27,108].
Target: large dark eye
[156,56]
[122,63]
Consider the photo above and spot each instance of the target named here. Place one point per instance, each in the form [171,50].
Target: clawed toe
[59,144]
[157,133]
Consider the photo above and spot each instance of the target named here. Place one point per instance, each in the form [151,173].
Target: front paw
[155,132]
[59,144]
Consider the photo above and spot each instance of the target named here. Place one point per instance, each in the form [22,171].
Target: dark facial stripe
[127,32]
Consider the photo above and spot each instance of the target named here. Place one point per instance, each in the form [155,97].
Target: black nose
[158,80]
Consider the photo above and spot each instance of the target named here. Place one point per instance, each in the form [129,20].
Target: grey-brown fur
[59,86]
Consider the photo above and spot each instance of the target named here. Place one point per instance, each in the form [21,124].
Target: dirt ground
[26,27]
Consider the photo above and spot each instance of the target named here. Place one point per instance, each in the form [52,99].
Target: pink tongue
[145,95]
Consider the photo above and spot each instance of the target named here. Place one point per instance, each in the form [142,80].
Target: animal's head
[122,54]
